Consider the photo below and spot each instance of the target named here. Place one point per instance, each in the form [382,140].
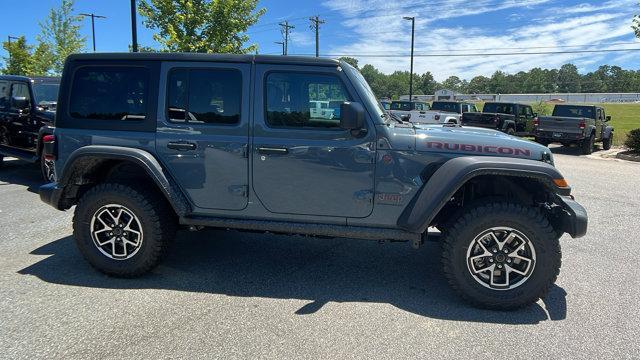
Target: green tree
[452,83]
[349,60]
[206,26]
[568,79]
[479,85]
[19,60]
[43,60]
[427,84]
[61,33]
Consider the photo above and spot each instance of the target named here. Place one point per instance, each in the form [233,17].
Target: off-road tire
[606,143]
[542,142]
[1,161]
[588,144]
[529,221]
[157,220]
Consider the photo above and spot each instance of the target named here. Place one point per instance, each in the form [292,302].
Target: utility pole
[315,25]
[286,28]
[93,26]
[413,30]
[9,51]
[280,43]
[134,27]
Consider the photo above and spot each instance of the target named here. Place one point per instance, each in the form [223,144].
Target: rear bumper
[574,219]
[558,135]
[51,194]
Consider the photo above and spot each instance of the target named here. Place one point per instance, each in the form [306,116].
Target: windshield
[498,108]
[45,92]
[401,105]
[361,83]
[574,111]
[446,106]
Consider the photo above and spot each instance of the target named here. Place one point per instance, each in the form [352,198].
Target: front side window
[292,100]
[109,93]
[205,96]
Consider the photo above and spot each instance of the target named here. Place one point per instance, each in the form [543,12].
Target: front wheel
[501,256]
[511,131]
[122,230]
[606,143]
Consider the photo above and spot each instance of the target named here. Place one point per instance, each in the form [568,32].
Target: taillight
[536,122]
[582,125]
[49,147]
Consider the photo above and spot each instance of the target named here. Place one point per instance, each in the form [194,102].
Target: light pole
[280,43]
[11,38]
[93,26]
[413,30]
[134,27]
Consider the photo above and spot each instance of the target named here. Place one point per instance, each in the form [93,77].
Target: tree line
[567,79]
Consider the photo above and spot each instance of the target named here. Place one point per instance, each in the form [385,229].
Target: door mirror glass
[352,116]
[607,119]
[20,103]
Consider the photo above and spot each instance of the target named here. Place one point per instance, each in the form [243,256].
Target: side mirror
[608,118]
[19,102]
[405,117]
[351,116]
[535,115]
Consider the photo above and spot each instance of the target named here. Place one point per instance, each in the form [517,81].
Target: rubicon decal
[479,149]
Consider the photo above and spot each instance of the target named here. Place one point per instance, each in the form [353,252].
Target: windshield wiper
[392,116]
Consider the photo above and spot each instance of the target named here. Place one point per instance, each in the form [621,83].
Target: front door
[203,132]
[18,118]
[304,163]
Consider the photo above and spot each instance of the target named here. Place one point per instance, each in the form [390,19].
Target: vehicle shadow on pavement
[569,150]
[21,173]
[282,267]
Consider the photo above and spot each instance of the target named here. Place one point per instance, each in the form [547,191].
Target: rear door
[599,123]
[306,165]
[203,131]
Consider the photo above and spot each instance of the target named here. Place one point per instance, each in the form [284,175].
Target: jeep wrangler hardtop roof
[263,59]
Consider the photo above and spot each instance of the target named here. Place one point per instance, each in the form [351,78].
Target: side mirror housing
[351,116]
[535,115]
[608,118]
[405,117]
[19,102]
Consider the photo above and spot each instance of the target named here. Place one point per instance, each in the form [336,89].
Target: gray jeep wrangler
[146,143]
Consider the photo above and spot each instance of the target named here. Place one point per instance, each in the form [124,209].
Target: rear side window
[292,98]
[4,95]
[204,96]
[109,93]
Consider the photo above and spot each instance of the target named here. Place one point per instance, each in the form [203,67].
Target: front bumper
[573,219]
[50,193]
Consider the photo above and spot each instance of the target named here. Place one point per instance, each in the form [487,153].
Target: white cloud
[557,28]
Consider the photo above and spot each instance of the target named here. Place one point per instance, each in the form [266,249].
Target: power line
[93,26]
[480,54]
[315,25]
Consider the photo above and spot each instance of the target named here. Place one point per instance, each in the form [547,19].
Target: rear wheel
[501,256]
[122,230]
[588,144]
[1,160]
[606,143]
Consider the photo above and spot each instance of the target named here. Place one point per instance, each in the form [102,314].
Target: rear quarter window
[109,93]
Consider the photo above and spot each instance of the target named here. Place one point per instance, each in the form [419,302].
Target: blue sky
[365,28]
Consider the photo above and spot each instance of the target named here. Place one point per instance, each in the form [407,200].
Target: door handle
[182,146]
[273,151]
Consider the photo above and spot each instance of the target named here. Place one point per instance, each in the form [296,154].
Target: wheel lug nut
[509,261]
[495,250]
[506,251]
[490,260]
[499,266]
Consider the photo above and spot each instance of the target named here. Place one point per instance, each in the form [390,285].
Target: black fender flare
[88,155]
[608,132]
[453,174]
[45,130]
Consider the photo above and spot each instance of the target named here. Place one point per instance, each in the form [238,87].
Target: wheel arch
[91,165]
[455,174]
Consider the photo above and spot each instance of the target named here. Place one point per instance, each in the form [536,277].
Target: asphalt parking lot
[236,295]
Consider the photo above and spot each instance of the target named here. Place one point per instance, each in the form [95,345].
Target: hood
[477,141]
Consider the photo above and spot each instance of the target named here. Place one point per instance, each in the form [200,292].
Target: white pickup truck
[440,112]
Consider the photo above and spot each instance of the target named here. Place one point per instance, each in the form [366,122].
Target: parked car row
[27,109]
[581,125]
